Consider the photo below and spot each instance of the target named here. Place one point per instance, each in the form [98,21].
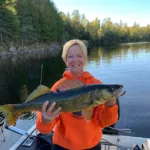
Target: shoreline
[53,48]
[133,43]
[29,50]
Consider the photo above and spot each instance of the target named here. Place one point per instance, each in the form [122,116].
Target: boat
[112,139]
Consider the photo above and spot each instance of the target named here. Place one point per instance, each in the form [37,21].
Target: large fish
[71,96]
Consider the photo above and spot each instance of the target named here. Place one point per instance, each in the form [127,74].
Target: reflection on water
[96,55]
[126,64]
[21,76]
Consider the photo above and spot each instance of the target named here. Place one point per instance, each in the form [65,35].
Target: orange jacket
[71,130]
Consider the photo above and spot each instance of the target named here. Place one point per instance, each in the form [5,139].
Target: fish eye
[112,88]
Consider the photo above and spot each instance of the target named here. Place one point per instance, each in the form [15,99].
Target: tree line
[30,21]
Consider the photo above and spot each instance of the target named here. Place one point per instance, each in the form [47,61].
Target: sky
[129,11]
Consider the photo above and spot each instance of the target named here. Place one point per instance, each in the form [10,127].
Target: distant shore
[37,48]
[41,48]
[133,43]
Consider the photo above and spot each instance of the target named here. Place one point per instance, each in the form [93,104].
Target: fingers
[44,107]
[51,107]
[56,112]
[48,115]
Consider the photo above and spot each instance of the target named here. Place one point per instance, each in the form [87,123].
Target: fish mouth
[119,92]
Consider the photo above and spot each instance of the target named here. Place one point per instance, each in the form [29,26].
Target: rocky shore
[38,48]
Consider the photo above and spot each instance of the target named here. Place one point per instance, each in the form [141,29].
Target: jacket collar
[85,75]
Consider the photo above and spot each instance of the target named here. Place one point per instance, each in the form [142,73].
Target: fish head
[105,92]
[112,91]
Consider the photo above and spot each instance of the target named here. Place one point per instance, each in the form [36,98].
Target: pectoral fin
[87,114]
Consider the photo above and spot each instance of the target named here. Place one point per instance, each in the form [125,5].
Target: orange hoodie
[71,130]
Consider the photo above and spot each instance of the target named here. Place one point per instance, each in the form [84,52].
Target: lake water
[127,64]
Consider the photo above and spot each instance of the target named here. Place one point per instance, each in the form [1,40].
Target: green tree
[75,23]
[9,24]
[94,26]
[39,21]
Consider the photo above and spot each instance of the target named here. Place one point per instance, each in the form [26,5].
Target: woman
[71,130]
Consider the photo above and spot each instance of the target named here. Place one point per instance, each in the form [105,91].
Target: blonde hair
[71,43]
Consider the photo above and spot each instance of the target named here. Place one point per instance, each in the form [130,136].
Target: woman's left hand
[110,103]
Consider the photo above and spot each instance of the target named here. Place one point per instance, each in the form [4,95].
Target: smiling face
[75,60]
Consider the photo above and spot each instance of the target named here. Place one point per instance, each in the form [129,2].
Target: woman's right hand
[47,115]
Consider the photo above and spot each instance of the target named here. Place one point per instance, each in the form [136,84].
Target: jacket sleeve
[103,115]
[46,128]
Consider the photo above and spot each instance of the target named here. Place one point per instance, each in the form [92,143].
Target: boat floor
[105,146]
[108,142]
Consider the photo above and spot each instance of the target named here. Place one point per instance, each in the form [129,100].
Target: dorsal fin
[69,84]
[40,90]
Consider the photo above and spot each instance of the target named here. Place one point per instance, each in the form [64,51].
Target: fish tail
[10,113]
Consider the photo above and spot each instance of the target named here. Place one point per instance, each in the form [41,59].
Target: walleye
[70,95]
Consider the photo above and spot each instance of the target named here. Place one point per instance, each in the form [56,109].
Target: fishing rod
[41,74]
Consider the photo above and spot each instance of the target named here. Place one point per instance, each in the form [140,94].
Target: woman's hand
[110,103]
[48,116]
